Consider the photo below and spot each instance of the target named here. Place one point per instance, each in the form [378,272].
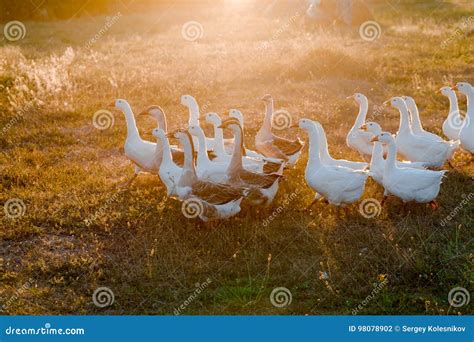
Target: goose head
[120,104]
[188,100]
[447,91]
[359,98]
[410,102]
[155,111]
[307,124]
[384,138]
[465,88]
[237,114]
[396,102]
[158,133]
[267,99]
[372,127]
[195,130]
[232,124]
[213,119]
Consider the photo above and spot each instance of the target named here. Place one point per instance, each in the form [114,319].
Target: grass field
[139,245]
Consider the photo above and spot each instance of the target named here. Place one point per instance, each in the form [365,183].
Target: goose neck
[361,116]
[453,104]
[391,156]
[202,146]
[236,160]
[404,119]
[132,130]
[314,156]
[267,123]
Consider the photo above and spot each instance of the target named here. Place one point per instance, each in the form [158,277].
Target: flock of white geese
[217,174]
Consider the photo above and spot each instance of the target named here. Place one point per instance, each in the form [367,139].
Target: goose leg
[433,204]
[384,199]
[130,181]
[312,203]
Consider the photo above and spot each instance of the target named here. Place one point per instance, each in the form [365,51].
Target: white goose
[328,159]
[418,148]
[453,123]
[168,171]
[357,139]
[377,162]
[339,185]
[263,186]
[416,126]
[211,200]
[194,119]
[139,151]
[407,183]
[273,146]
[249,163]
[466,134]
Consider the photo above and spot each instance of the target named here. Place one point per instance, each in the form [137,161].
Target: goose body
[408,184]
[377,161]
[263,187]
[273,146]
[466,134]
[339,185]
[212,200]
[417,148]
[453,123]
[328,159]
[356,139]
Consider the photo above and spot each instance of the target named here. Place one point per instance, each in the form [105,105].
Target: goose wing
[288,147]
[257,179]
[215,193]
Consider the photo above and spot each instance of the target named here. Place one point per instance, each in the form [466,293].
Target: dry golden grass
[141,246]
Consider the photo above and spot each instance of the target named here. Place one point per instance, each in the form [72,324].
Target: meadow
[79,230]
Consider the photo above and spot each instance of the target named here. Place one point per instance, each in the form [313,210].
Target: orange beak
[455,87]
[363,127]
[112,104]
[374,139]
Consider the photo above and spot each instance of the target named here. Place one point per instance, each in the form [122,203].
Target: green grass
[142,247]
